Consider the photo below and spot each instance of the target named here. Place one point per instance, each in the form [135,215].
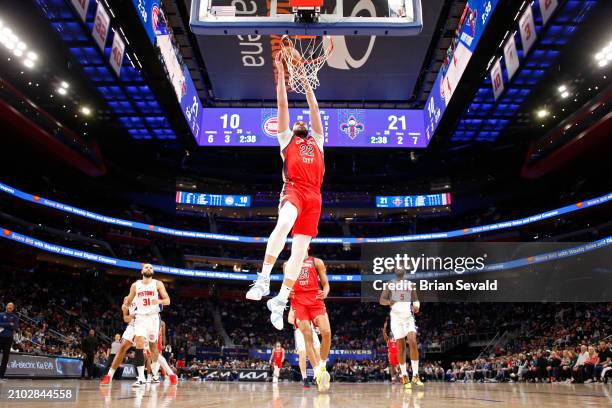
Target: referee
[9,323]
[112,352]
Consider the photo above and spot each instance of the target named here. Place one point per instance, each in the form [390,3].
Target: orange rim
[323,57]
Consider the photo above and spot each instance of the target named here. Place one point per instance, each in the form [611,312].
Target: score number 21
[394,120]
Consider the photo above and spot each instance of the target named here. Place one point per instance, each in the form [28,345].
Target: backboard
[337,17]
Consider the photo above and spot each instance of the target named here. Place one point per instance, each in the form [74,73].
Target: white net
[304,57]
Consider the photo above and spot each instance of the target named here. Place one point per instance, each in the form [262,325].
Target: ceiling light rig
[17,47]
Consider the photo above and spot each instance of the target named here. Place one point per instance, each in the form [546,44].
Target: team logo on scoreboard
[229,201]
[155,16]
[351,126]
[269,122]
[397,201]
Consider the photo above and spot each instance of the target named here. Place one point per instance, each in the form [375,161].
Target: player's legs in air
[287,214]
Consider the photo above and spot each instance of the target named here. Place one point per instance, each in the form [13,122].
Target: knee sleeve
[286,218]
[140,360]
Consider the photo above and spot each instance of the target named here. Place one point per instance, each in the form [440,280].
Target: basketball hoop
[304,57]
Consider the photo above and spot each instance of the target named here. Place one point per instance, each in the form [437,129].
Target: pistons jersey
[145,294]
[303,162]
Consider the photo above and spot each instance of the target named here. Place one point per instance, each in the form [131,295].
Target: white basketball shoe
[259,288]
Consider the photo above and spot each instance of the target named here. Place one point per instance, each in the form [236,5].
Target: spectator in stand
[553,368]
[605,362]
[90,347]
[589,365]
[9,324]
[578,369]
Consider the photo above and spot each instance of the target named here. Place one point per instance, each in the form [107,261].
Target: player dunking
[276,361]
[403,301]
[300,199]
[149,294]
[307,302]
[300,347]
[391,352]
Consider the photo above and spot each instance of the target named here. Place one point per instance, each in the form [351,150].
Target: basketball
[305,203]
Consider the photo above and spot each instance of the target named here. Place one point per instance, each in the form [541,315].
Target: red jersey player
[300,199]
[308,306]
[276,360]
[391,352]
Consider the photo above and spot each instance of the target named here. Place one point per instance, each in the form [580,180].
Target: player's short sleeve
[319,139]
[284,138]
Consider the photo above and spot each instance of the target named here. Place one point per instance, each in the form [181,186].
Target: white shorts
[300,343]
[402,324]
[128,334]
[147,326]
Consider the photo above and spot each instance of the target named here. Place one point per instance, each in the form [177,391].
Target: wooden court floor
[285,395]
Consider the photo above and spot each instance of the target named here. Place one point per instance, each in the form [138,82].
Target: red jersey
[392,347]
[277,355]
[306,287]
[303,163]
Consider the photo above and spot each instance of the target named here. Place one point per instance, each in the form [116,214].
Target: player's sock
[155,368]
[267,269]
[284,292]
[162,360]
[403,369]
[111,372]
[140,364]
[415,367]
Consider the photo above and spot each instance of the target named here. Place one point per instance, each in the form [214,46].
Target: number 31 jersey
[145,293]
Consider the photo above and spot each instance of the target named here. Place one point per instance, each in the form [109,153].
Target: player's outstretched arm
[322,271]
[165,298]
[281,95]
[315,115]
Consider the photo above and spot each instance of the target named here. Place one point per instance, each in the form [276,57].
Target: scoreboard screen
[342,127]
[413,201]
[213,200]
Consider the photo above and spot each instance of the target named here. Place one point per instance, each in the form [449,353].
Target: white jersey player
[149,294]
[401,295]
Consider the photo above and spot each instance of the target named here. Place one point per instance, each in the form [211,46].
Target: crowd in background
[543,341]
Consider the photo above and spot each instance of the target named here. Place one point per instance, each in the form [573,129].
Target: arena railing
[579,206]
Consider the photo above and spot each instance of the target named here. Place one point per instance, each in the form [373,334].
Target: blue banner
[148,12]
[293,357]
[474,21]
[213,200]
[88,256]
[413,201]
[582,205]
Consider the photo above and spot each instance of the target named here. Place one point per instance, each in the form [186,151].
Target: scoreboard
[213,200]
[413,201]
[342,127]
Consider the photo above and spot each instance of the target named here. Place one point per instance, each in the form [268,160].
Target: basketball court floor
[238,395]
